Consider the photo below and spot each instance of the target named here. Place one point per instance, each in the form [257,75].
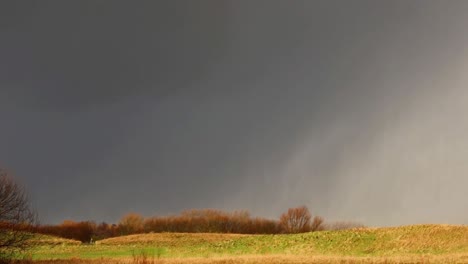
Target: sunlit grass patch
[420,241]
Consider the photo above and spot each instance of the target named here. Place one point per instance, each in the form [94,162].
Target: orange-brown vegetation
[295,220]
[131,223]
[212,221]
[82,231]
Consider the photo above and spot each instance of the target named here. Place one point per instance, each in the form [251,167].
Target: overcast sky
[357,109]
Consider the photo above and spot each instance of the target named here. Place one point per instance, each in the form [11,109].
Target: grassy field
[409,244]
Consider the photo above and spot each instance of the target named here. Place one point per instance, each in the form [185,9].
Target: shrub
[131,223]
[81,231]
[105,230]
[296,220]
[317,224]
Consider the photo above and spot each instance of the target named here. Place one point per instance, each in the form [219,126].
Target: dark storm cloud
[154,107]
[67,55]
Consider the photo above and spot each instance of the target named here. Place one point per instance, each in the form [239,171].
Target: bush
[317,224]
[81,231]
[298,220]
[105,230]
[131,223]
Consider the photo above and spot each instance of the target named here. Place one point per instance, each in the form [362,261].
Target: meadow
[407,244]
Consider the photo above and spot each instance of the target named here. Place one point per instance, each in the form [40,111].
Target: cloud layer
[355,110]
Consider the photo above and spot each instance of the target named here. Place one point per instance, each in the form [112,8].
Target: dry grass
[415,239]
[169,239]
[407,244]
[45,240]
[277,259]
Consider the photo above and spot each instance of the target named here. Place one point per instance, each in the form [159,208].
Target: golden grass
[414,239]
[46,240]
[406,244]
[277,259]
[170,239]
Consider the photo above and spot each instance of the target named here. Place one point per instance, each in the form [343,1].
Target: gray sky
[356,109]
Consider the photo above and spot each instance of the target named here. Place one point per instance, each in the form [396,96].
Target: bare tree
[296,220]
[317,224]
[16,217]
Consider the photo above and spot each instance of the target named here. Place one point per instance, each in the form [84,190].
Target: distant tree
[104,230]
[296,220]
[238,222]
[131,223]
[16,217]
[317,224]
[82,231]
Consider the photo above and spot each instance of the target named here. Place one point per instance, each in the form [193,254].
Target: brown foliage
[297,220]
[190,221]
[317,224]
[131,223]
[105,230]
[81,231]
[211,221]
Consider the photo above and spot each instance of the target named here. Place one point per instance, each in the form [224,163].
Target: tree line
[295,220]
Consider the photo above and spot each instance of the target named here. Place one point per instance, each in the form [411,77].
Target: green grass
[418,240]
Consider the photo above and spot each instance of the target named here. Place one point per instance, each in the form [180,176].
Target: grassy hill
[436,242]
[51,241]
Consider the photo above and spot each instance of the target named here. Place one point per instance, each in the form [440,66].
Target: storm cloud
[353,108]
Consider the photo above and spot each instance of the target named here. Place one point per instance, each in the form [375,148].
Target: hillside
[433,241]
[40,240]
[417,239]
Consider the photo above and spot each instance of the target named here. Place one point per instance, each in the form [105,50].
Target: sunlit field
[408,244]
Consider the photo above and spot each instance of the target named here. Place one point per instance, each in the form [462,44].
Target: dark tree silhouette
[16,217]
